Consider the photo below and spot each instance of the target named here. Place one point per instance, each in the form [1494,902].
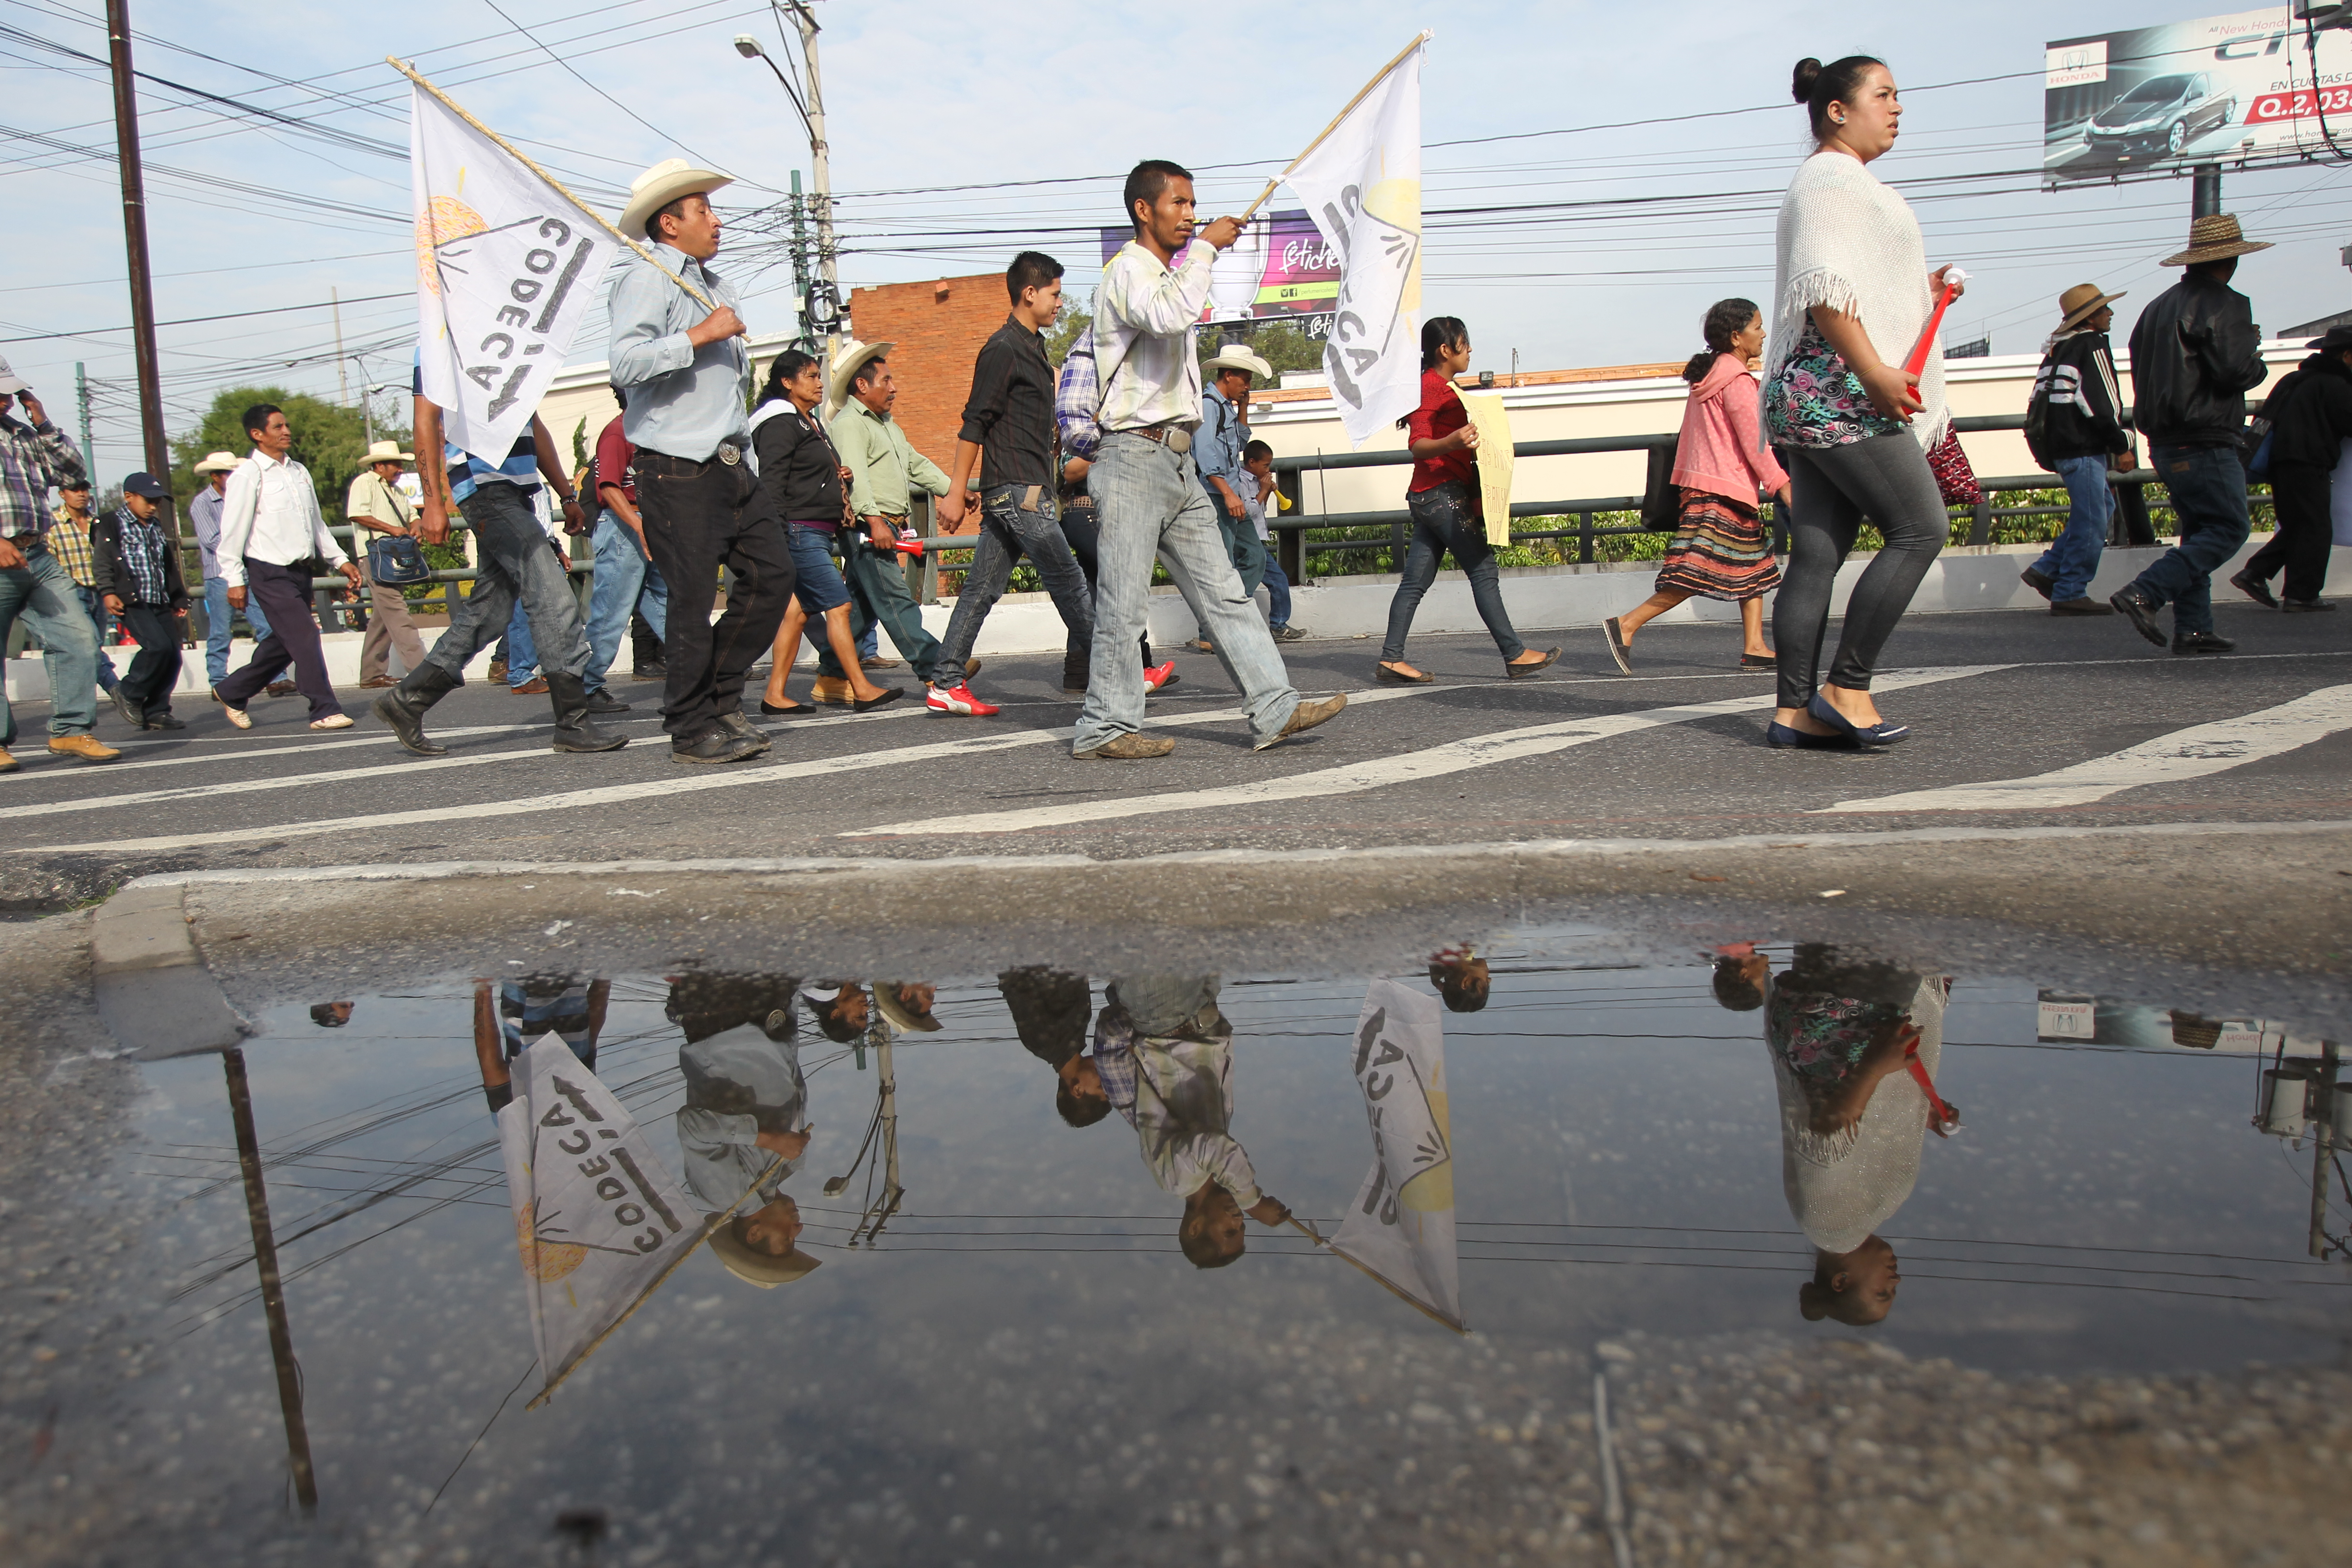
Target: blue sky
[928,94]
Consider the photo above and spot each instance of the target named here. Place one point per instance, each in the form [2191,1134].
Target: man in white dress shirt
[271,528]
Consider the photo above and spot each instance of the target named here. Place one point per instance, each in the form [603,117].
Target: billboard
[2240,88]
[1280,268]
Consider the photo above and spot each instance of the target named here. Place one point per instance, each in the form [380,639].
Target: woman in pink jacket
[1721,464]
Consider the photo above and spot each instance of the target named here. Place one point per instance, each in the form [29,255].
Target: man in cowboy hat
[883,470]
[744,1126]
[205,517]
[2080,428]
[2195,353]
[1217,453]
[1009,418]
[686,371]
[2310,413]
[374,505]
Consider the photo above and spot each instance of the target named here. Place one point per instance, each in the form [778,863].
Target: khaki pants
[388,624]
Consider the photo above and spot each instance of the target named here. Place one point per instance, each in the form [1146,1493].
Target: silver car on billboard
[2161,117]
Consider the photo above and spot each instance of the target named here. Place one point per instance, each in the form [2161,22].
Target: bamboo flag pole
[404,68]
[1414,1302]
[1422,37]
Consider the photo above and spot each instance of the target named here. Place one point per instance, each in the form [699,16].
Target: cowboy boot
[568,694]
[403,708]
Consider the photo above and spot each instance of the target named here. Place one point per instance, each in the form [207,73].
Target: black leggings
[1888,479]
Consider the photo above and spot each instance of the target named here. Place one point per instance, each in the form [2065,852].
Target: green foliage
[580,445]
[1074,321]
[441,558]
[1277,342]
[329,440]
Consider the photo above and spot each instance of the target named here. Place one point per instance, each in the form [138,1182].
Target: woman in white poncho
[1854,294]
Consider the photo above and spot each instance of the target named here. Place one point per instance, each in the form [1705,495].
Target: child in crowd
[1259,495]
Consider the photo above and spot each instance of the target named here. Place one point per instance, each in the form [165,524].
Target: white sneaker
[331,721]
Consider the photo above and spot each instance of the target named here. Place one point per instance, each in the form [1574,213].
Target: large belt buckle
[1179,439]
[730,453]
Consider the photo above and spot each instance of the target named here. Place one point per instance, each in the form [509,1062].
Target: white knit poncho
[1845,239]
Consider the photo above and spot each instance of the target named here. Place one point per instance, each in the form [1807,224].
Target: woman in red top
[1446,514]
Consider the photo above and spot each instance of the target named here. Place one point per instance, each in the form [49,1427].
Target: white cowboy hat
[380,452]
[755,1268]
[852,357]
[662,185]
[217,463]
[1236,356]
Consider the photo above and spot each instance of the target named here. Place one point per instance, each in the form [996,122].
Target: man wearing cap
[205,517]
[1009,418]
[138,569]
[884,471]
[2080,430]
[34,455]
[1217,453]
[686,371]
[2310,413]
[2195,354]
[271,529]
[374,505]
[69,529]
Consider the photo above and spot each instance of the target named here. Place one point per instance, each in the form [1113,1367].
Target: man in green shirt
[884,470]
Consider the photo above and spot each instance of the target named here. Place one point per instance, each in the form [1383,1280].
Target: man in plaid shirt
[70,524]
[34,455]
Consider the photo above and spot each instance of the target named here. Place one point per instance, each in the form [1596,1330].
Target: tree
[329,440]
[1074,321]
[1280,345]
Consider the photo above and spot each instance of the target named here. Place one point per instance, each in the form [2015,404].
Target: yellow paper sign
[1493,423]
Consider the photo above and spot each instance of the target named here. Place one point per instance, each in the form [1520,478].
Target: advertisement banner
[2254,87]
[1280,268]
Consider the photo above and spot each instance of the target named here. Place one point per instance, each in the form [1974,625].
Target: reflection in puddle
[1090,1331]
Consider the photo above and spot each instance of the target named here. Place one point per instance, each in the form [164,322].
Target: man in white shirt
[271,529]
[1148,492]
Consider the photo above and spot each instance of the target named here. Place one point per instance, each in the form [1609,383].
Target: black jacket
[2081,412]
[2310,413]
[2195,355]
[1010,414]
[109,574]
[798,467]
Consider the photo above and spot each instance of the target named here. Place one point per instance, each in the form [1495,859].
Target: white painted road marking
[2190,753]
[1435,762]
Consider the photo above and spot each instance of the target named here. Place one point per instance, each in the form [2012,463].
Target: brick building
[938,328]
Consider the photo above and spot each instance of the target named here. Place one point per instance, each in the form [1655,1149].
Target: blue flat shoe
[1885,734]
[1778,734]
[1820,709]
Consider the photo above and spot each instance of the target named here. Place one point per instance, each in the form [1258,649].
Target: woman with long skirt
[1722,549]
[1854,297]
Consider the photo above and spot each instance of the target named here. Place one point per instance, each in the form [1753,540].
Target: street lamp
[748,47]
[811,108]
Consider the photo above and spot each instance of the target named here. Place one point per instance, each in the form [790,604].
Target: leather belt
[1175,437]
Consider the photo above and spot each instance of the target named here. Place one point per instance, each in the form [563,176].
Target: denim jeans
[879,598]
[2208,486]
[107,679]
[1149,502]
[516,566]
[817,580]
[1277,590]
[1006,533]
[1242,541]
[2073,558]
[626,580]
[522,652]
[44,596]
[218,619]
[1441,521]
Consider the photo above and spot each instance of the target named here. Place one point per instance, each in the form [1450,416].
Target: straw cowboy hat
[1235,356]
[380,452]
[847,360]
[756,1268]
[662,185]
[217,463]
[2214,237]
[2083,301]
[902,1017]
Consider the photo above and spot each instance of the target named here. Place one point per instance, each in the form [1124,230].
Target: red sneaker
[1159,675]
[958,699]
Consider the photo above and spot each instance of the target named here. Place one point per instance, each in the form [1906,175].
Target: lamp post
[826,316]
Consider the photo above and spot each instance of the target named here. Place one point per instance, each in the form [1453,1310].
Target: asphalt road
[1676,751]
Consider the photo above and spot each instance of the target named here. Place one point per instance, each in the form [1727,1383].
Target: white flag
[506,265]
[1362,187]
[597,1217]
[1400,1229]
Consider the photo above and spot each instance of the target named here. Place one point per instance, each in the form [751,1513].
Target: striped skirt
[1721,551]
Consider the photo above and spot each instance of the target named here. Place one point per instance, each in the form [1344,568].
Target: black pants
[155,669]
[2299,495]
[2131,524]
[1887,479]
[1082,526]
[699,517]
[285,595]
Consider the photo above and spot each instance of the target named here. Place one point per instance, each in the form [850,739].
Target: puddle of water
[1000,1337]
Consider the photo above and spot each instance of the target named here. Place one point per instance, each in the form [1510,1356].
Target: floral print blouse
[1815,401]
[1820,1038]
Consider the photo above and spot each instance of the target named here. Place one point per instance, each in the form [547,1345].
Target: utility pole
[82,396]
[800,262]
[2205,191]
[820,171]
[134,247]
[342,376]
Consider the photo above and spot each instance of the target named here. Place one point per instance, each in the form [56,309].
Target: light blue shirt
[1217,443]
[683,401]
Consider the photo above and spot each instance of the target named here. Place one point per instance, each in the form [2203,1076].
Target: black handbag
[1662,499]
[396,561]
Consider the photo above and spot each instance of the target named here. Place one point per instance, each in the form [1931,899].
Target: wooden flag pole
[458,110]
[1419,39]
[1416,1304]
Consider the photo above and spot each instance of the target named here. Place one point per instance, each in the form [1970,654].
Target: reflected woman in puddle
[1164,1051]
[746,1105]
[1855,1045]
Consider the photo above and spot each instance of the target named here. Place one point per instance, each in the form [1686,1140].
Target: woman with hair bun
[1721,549]
[1443,499]
[1854,294]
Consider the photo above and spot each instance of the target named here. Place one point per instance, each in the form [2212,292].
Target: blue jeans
[107,679]
[1006,534]
[1149,502]
[1441,521]
[516,566]
[2208,486]
[1277,590]
[625,581]
[217,617]
[816,581]
[2073,558]
[523,654]
[44,596]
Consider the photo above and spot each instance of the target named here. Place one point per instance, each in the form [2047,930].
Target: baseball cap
[145,484]
[9,380]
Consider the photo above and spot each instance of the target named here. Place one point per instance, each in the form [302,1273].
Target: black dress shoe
[716,746]
[650,672]
[789,710]
[2253,588]
[132,714]
[2128,601]
[2202,642]
[2035,581]
[165,722]
[2304,606]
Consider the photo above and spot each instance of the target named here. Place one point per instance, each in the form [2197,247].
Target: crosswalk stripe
[1433,762]
[2190,753]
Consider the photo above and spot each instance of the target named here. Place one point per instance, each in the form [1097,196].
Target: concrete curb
[154,994]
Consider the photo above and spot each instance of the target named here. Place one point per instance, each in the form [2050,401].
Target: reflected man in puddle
[745,1112]
[1462,978]
[1051,1010]
[1164,1052]
[511,1016]
[1855,1044]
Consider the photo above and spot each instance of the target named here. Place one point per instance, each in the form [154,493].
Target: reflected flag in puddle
[1400,1229]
